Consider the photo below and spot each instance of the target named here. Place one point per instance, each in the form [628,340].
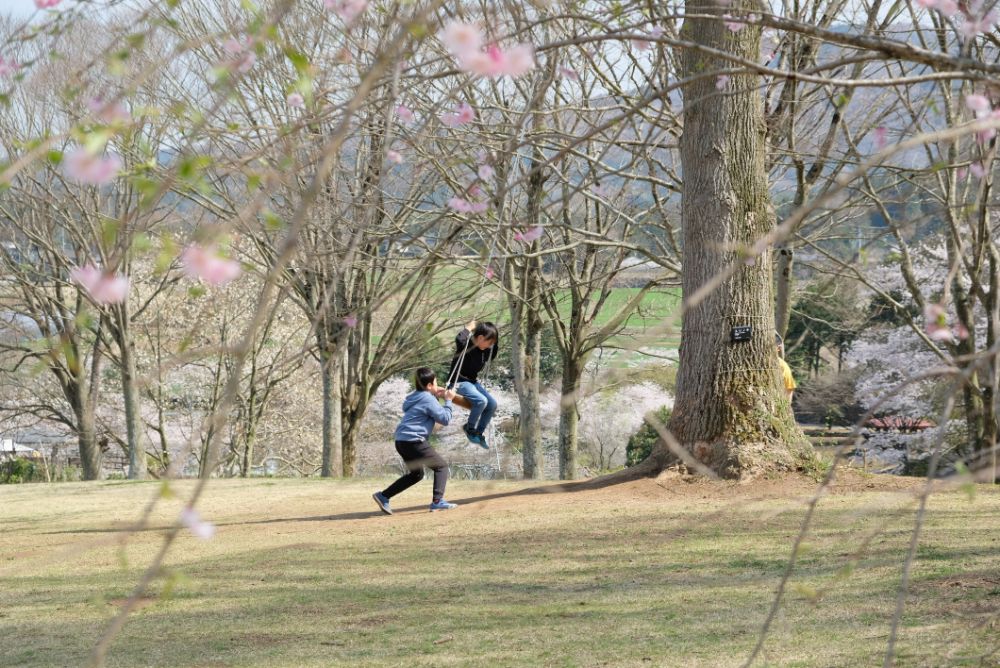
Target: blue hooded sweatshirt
[420,411]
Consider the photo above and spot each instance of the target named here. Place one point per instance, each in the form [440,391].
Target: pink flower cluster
[46,4]
[103,287]
[241,55]
[936,324]
[348,10]
[465,41]
[112,113]
[735,24]
[981,107]
[463,114]
[192,520]
[8,68]
[976,20]
[647,44]
[462,205]
[90,168]
[205,263]
[529,236]
[404,114]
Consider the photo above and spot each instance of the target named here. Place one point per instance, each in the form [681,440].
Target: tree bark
[90,452]
[332,463]
[783,298]
[130,395]
[730,410]
[569,418]
[529,394]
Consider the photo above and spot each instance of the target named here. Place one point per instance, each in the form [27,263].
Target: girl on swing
[475,346]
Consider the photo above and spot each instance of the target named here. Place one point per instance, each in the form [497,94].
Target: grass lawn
[673,572]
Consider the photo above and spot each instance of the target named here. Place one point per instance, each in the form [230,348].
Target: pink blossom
[732,24]
[972,27]
[947,7]
[207,264]
[569,74]
[91,169]
[104,287]
[462,205]
[977,103]
[295,100]
[489,273]
[8,68]
[977,169]
[721,81]
[192,520]
[459,204]
[351,321]
[108,112]
[961,332]
[645,44]
[348,10]
[465,42]
[462,38]
[394,156]
[404,114]
[46,4]
[927,4]
[961,173]
[241,55]
[494,62]
[485,172]
[984,136]
[520,60]
[529,236]
[462,115]
[881,135]
[936,322]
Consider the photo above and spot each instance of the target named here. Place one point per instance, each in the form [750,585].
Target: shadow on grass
[557,488]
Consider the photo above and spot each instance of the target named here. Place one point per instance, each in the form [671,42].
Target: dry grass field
[668,572]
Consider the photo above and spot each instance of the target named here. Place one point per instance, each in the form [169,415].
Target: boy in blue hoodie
[420,411]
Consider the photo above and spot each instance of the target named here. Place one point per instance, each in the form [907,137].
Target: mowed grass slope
[672,572]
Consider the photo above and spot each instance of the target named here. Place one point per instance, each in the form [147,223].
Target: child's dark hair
[486,329]
[423,377]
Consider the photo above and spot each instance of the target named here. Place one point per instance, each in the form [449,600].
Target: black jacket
[474,360]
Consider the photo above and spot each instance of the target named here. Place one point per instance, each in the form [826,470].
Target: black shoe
[473,436]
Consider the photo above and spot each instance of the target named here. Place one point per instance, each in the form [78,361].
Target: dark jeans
[417,455]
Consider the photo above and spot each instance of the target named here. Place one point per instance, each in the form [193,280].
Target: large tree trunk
[526,338]
[730,411]
[130,396]
[569,418]
[90,452]
[529,396]
[330,356]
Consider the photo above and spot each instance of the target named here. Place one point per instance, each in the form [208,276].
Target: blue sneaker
[482,440]
[473,436]
[442,505]
[383,502]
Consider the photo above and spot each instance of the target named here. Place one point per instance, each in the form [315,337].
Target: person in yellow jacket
[786,371]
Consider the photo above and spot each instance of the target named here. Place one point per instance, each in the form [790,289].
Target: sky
[17,7]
